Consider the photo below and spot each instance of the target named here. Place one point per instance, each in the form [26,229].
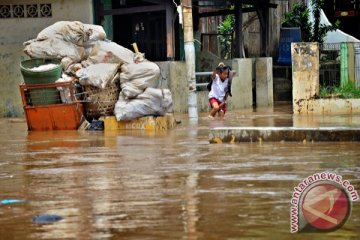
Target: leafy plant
[226,30]
[299,17]
[348,90]
[311,32]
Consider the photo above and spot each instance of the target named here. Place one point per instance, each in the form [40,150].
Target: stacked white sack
[152,102]
[64,39]
[136,77]
[97,75]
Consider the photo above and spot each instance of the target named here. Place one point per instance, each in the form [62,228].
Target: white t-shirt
[218,88]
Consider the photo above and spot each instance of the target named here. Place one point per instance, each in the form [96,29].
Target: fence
[339,64]
[330,65]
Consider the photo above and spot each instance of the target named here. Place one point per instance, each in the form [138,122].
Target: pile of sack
[92,60]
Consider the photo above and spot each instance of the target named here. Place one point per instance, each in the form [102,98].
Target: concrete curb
[271,134]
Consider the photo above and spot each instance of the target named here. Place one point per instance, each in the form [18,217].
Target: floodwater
[175,185]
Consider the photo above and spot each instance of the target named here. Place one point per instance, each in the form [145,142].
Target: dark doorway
[148,30]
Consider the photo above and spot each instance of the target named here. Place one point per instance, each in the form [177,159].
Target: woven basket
[101,102]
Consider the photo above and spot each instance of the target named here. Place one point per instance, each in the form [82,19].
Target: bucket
[36,77]
[44,96]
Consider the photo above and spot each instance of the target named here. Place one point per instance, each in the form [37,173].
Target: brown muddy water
[175,185]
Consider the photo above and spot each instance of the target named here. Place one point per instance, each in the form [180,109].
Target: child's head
[222,71]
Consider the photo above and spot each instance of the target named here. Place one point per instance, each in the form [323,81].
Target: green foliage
[311,32]
[348,90]
[226,28]
[299,17]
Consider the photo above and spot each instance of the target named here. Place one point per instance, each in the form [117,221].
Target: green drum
[42,96]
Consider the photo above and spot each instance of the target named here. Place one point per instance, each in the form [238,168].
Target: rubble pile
[90,59]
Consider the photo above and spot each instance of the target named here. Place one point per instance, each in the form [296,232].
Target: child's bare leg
[215,109]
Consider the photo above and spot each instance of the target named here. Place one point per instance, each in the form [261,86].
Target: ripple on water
[258,177]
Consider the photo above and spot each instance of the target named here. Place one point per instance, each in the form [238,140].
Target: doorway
[148,30]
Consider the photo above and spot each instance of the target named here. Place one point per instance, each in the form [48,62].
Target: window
[26,11]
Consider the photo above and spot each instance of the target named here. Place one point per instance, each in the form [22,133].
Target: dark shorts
[213,100]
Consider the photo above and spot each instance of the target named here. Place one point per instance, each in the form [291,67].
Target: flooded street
[175,185]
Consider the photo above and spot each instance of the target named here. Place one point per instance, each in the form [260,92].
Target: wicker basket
[101,102]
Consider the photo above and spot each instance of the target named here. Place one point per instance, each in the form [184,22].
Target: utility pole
[190,57]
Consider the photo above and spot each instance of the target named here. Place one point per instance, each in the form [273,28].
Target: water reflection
[175,185]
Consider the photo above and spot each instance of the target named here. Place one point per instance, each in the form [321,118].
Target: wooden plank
[225,12]
[238,29]
[154,1]
[263,14]
[169,32]
[133,10]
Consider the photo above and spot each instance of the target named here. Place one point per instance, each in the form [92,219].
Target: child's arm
[213,75]
[224,102]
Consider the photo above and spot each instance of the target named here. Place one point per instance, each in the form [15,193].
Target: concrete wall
[242,84]
[15,31]
[264,82]
[305,67]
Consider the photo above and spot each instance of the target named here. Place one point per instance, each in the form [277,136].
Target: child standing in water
[220,90]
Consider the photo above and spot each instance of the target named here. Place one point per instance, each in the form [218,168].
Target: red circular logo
[325,206]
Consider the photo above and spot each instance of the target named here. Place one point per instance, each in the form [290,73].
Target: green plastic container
[42,96]
[34,77]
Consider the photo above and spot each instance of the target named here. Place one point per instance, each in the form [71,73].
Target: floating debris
[11,201]
[47,218]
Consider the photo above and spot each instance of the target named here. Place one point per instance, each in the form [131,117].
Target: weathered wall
[264,82]
[242,84]
[305,67]
[15,31]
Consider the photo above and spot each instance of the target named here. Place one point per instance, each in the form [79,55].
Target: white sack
[97,75]
[73,32]
[65,92]
[150,102]
[53,48]
[97,33]
[143,74]
[66,62]
[129,90]
[70,66]
[110,52]
[136,77]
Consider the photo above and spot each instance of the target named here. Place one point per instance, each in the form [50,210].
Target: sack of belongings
[152,102]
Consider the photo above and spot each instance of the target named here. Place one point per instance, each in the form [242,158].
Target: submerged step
[259,134]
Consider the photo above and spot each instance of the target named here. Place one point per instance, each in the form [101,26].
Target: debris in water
[46,218]
[10,201]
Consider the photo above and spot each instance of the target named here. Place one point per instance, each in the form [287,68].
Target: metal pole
[190,58]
